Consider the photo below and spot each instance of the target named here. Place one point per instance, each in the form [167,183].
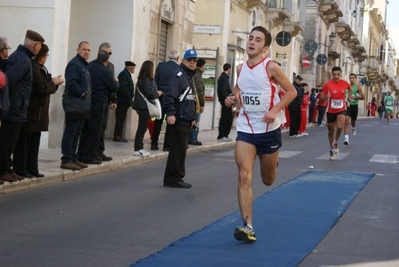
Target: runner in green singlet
[352,111]
[389,101]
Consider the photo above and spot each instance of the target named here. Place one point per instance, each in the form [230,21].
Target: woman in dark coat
[146,85]
[26,153]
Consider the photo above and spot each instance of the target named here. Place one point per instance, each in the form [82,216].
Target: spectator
[200,87]
[147,87]
[111,102]
[102,85]
[26,152]
[312,105]
[226,116]
[124,99]
[373,106]
[304,108]
[19,74]
[162,73]
[180,107]
[78,85]
[321,109]
[295,108]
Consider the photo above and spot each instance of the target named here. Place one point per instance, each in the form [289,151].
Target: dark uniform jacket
[184,109]
[102,83]
[126,88]
[146,87]
[162,74]
[38,110]
[19,74]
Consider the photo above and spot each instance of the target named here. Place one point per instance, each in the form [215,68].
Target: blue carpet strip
[289,222]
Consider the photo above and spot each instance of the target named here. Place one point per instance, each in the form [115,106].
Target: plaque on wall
[168,10]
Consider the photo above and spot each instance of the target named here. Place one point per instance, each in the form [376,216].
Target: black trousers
[91,133]
[320,116]
[225,122]
[101,145]
[157,131]
[26,153]
[9,132]
[175,166]
[295,119]
[120,117]
[144,116]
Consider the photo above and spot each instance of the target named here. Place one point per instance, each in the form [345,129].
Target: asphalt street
[116,218]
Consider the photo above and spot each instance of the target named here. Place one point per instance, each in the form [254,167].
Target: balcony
[294,28]
[276,12]
[344,31]
[352,42]
[359,52]
[329,12]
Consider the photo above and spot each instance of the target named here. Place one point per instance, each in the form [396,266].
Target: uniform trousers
[9,132]
[175,166]
[26,153]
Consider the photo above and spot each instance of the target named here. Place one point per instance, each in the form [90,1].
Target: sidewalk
[122,153]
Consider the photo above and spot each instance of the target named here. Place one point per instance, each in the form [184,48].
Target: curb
[55,175]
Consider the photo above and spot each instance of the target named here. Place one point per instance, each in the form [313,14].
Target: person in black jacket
[226,117]
[78,85]
[145,87]
[162,74]
[179,102]
[26,152]
[102,85]
[19,74]
[295,108]
[124,99]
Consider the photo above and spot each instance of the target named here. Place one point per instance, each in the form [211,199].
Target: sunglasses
[191,59]
[109,53]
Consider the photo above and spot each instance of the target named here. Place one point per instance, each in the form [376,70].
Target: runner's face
[352,79]
[256,44]
[336,75]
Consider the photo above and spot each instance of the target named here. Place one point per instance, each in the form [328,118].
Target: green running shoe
[244,233]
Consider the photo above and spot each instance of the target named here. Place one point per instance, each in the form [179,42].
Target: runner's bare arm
[278,75]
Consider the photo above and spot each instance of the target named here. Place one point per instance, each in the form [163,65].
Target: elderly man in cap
[179,100]
[19,74]
[124,99]
[295,108]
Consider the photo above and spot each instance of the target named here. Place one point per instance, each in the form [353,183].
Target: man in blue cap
[179,100]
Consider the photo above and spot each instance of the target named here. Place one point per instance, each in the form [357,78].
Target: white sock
[346,136]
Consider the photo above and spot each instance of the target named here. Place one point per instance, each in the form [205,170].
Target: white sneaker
[293,136]
[224,139]
[321,125]
[346,142]
[336,149]
[141,153]
[332,154]
[354,131]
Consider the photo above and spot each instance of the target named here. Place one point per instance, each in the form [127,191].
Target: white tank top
[258,94]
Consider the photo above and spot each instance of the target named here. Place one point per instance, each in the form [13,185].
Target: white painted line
[288,154]
[381,158]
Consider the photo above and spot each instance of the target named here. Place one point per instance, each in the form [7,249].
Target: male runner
[258,123]
[351,113]
[334,91]
[389,101]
